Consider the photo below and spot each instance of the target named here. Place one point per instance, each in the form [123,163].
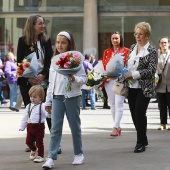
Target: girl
[34,118]
[63,102]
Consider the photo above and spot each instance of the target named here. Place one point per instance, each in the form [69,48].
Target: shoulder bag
[120,87]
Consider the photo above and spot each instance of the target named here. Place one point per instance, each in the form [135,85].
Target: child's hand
[48,109]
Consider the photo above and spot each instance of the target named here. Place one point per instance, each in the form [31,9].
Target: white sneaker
[48,164]
[32,155]
[78,159]
[38,159]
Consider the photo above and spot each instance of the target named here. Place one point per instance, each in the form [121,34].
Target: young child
[63,102]
[34,119]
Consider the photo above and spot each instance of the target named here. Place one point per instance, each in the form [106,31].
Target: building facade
[90,21]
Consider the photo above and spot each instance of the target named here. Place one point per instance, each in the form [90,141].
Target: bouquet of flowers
[115,68]
[94,78]
[28,67]
[68,63]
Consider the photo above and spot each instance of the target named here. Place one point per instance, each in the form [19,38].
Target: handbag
[120,87]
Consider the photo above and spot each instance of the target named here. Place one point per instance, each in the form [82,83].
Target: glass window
[160,27]
[135,5]
[48,5]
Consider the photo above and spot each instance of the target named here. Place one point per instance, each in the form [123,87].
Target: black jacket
[24,50]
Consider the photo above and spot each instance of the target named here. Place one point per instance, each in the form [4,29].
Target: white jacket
[57,85]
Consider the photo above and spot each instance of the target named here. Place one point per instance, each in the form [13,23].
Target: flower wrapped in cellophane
[68,63]
[94,78]
[115,68]
[28,67]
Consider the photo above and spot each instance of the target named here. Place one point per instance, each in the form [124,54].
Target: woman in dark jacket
[142,62]
[34,40]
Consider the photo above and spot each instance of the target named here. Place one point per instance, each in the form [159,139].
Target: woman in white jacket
[63,102]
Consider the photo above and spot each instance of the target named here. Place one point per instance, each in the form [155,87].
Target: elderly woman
[142,63]
[163,87]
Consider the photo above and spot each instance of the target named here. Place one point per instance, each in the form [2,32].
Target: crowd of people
[53,102]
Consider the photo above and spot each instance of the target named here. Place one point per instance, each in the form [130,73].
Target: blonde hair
[38,90]
[145,27]
[10,56]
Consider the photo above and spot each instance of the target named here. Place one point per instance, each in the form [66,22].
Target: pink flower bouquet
[68,63]
[28,67]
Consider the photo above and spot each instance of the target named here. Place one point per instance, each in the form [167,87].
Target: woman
[142,62]
[116,101]
[34,40]
[64,102]
[163,87]
[10,71]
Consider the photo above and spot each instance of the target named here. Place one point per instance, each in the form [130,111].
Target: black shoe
[4,102]
[139,148]
[27,150]
[12,108]
[106,107]
[59,150]
[146,143]
[16,110]
[87,104]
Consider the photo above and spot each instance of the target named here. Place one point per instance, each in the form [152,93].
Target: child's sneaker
[78,159]
[32,155]
[38,159]
[48,164]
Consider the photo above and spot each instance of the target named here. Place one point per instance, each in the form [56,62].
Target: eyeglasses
[163,42]
[138,34]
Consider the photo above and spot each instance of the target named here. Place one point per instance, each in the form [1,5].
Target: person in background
[105,102]
[85,91]
[116,101]
[34,119]
[10,69]
[63,102]
[19,101]
[163,87]
[2,77]
[93,61]
[142,62]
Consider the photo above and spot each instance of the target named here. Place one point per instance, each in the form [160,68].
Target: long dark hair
[29,31]
[121,38]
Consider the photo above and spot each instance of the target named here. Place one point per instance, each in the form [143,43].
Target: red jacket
[108,54]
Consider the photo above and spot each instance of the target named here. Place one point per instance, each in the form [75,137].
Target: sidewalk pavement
[100,150]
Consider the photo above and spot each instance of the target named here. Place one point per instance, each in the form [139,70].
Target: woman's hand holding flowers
[127,75]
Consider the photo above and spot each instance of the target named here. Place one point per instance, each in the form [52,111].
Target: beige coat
[161,88]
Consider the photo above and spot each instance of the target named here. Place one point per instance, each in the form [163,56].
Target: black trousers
[105,97]
[163,104]
[24,88]
[138,105]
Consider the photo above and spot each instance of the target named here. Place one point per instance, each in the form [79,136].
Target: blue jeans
[13,94]
[91,94]
[2,98]
[60,106]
